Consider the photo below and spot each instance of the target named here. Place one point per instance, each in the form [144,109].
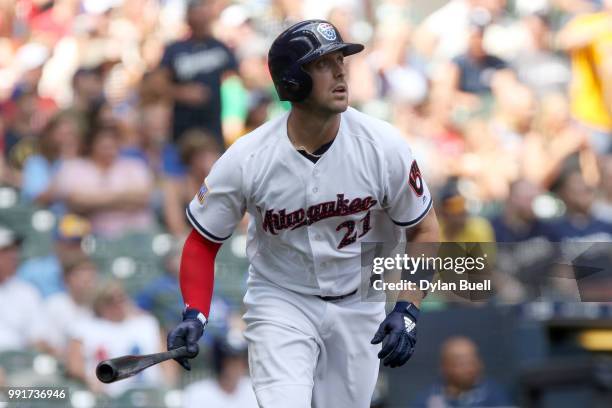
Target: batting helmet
[298,45]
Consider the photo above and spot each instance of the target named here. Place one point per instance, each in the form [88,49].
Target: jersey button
[315,190]
[318,237]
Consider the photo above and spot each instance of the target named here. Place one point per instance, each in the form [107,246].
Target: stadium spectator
[474,71]
[523,258]
[45,272]
[518,221]
[198,152]
[462,382]
[26,111]
[484,162]
[152,143]
[87,88]
[444,34]
[602,208]
[60,140]
[162,297]
[552,139]
[231,388]
[513,116]
[66,308]
[193,70]
[20,304]
[588,38]
[538,66]
[112,192]
[578,221]
[579,233]
[257,114]
[23,122]
[117,329]
[456,224]
[399,73]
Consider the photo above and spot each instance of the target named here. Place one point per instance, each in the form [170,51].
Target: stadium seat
[13,361]
[141,397]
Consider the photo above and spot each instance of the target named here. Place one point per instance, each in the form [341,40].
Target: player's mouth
[340,90]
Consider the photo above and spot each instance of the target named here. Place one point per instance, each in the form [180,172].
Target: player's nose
[339,70]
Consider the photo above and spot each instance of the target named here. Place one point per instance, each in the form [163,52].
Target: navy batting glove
[397,334]
[187,333]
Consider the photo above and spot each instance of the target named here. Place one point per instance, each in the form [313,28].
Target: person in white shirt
[231,388]
[117,329]
[65,309]
[20,303]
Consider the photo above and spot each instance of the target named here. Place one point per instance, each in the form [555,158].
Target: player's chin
[338,105]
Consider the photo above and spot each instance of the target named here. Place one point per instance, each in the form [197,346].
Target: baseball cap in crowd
[8,238]
[451,199]
[72,228]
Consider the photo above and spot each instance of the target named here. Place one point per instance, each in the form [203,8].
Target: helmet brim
[346,48]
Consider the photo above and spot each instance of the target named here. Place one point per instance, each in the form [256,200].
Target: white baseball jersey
[307,219]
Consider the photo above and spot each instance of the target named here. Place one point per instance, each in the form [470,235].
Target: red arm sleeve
[197,273]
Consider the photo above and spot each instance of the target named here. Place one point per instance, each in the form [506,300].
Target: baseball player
[316,182]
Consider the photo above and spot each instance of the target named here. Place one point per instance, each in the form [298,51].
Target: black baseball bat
[118,368]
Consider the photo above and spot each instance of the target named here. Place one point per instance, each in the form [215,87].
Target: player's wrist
[406,307]
[194,314]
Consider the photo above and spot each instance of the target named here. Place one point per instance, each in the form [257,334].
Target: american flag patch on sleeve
[202,192]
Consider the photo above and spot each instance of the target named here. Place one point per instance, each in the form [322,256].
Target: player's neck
[311,131]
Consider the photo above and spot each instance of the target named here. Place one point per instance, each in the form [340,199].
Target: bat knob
[106,372]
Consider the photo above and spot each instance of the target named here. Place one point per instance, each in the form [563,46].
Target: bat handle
[180,352]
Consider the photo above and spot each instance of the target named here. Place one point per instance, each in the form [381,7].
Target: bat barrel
[107,372]
[118,368]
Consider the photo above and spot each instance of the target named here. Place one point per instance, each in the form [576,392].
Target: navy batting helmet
[298,45]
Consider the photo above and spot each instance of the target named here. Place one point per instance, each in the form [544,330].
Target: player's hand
[187,333]
[397,334]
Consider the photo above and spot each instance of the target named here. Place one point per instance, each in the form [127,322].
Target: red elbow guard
[197,273]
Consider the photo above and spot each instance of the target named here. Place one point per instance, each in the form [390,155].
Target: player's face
[329,87]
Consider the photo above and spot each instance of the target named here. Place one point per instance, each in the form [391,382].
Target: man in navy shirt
[524,255]
[462,382]
[476,67]
[193,70]
[578,222]
[518,222]
[584,240]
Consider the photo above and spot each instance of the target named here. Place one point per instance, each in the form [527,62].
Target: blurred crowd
[112,112]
